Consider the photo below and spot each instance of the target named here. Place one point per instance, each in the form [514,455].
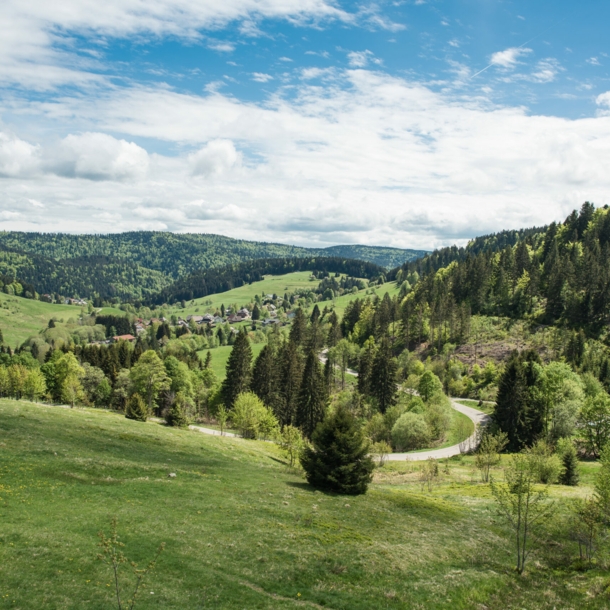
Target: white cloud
[222,47]
[97,156]
[508,58]
[215,158]
[260,77]
[378,160]
[594,61]
[17,157]
[546,71]
[360,59]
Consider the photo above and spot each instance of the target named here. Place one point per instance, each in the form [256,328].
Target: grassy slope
[220,355]
[244,532]
[20,318]
[275,284]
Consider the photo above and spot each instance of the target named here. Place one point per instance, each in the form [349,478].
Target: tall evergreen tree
[238,370]
[315,314]
[334,332]
[291,373]
[265,378]
[365,366]
[339,459]
[298,329]
[311,405]
[383,376]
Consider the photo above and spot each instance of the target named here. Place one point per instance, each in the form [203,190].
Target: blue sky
[414,124]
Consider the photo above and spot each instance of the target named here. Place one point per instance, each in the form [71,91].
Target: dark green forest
[138,265]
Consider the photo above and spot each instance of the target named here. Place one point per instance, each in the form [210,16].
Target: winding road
[478,418]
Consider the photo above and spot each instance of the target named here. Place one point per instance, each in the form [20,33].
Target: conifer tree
[176,415]
[208,360]
[338,461]
[312,399]
[365,366]
[315,314]
[569,476]
[383,376]
[1,337]
[334,332]
[136,408]
[298,329]
[238,370]
[256,312]
[264,378]
[291,372]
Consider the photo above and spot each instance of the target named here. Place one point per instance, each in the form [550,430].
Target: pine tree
[291,373]
[176,415]
[238,370]
[339,460]
[315,314]
[312,400]
[264,378]
[208,360]
[365,365]
[298,329]
[136,408]
[256,312]
[383,376]
[569,476]
[334,332]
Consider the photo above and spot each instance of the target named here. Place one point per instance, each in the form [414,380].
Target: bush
[136,408]
[438,416]
[338,460]
[176,415]
[410,432]
[547,465]
[251,418]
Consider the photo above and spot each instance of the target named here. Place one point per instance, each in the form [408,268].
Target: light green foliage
[488,452]
[429,385]
[34,385]
[291,442]
[72,390]
[438,415]
[380,450]
[594,423]
[179,374]
[548,465]
[410,432]
[149,377]
[251,418]
[521,502]
[602,486]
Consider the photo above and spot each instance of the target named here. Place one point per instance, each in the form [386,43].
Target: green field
[278,284]
[21,318]
[220,355]
[242,531]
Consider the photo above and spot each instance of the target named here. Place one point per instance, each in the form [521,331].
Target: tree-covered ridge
[485,243]
[213,281]
[559,275]
[177,255]
[90,276]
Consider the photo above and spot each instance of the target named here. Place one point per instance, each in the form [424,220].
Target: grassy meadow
[220,356]
[244,531]
[21,318]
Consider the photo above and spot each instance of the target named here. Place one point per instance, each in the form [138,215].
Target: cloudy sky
[414,123]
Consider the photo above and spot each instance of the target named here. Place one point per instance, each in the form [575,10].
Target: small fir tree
[569,476]
[208,360]
[136,408]
[256,312]
[176,416]
[339,459]
[51,323]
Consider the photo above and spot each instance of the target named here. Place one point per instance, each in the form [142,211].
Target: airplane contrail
[520,47]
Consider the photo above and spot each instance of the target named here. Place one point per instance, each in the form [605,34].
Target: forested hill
[212,281]
[177,255]
[556,275]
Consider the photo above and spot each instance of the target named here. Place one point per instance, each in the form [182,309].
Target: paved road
[478,417]
[214,432]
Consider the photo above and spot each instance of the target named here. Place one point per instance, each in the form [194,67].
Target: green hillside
[140,264]
[243,531]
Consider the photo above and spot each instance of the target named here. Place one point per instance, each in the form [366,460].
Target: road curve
[478,417]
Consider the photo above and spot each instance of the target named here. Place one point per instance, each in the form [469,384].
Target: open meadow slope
[243,531]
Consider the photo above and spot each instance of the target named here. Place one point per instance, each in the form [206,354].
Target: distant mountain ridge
[135,265]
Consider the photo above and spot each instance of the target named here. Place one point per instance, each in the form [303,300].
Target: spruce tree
[383,376]
[256,312]
[298,329]
[569,476]
[136,408]
[291,373]
[365,366]
[238,370]
[176,415]
[510,413]
[315,314]
[264,378]
[208,360]
[338,461]
[312,399]
[334,332]
[1,337]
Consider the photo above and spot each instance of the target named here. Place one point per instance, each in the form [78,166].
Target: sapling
[113,556]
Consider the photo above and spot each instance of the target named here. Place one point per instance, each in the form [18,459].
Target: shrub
[251,417]
[438,416]
[338,460]
[410,432]
[547,466]
[136,408]
[176,415]
[569,460]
